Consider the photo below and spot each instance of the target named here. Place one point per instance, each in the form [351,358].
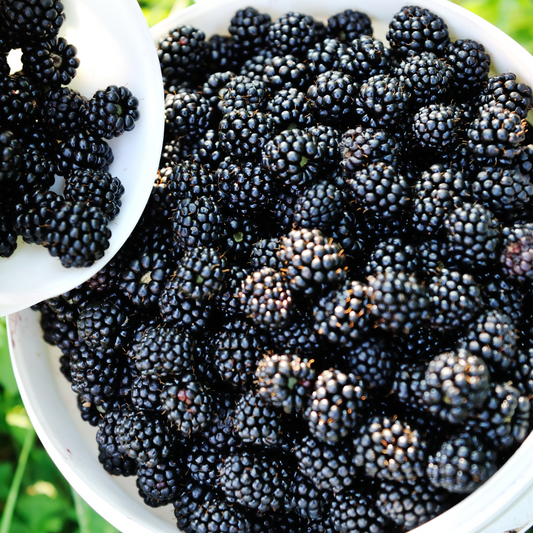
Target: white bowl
[115,48]
[503,503]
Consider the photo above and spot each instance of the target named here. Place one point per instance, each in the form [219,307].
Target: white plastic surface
[503,504]
[115,48]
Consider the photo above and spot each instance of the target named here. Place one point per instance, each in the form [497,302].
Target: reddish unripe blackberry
[516,256]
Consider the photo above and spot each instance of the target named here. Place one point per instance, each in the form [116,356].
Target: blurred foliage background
[34,496]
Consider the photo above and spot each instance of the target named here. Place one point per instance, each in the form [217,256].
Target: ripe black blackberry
[382,102]
[515,256]
[286,72]
[379,189]
[329,139]
[365,57]
[215,514]
[160,482]
[197,222]
[265,253]
[187,115]
[454,299]
[256,422]
[289,108]
[201,273]
[82,150]
[494,338]
[320,206]
[494,137]
[471,64]
[362,146]
[240,234]
[188,178]
[504,90]
[462,464]
[182,54]
[499,292]
[266,298]
[394,254]
[454,384]
[18,101]
[254,480]
[221,54]
[349,25]
[8,236]
[163,352]
[305,499]
[473,236]
[437,127]
[215,83]
[110,112]
[294,33]
[78,234]
[292,157]
[324,56]
[254,67]
[60,111]
[427,78]
[32,19]
[341,316]
[249,29]
[144,394]
[335,406]
[202,461]
[312,263]
[332,97]
[242,92]
[187,404]
[243,133]
[143,437]
[329,466]
[414,30]
[97,188]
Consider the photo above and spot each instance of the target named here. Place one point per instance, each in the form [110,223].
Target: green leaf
[6,475]
[7,378]
[88,519]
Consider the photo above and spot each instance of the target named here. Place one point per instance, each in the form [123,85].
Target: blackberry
[324,56]
[202,461]
[454,299]
[471,64]
[284,381]
[397,300]
[394,254]
[60,111]
[461,464]
[189,500]
[222,54]
[208,152]
[332,96]
[286,72]
[240,233]
[293,33]
[18,101]
[266,298]
[492,337]
[97,188]
[473,236]
[33,19]
[162,352]
[254,67]
[8,236]
[216,515]
[334,406]
[182,54]
[219,434]
[110,112]
[292,157]
[254,480]
[143,437]
[504,90]
[349,25]
[256,422]
[289,108]
[145,393]
[243,133]
[312,263]
[320,205]
[214,85]
[329,140]
[427,78]
[78,234]
[187,114]
[455,383]
[328,466]
[505,191]
[307,501]
[414,30]
[187,404]
[189,179]
[249,29]
[436,127]
[495,135]
[379,189]
[265,253]
[365,57]
[242,92]
[341,316]
[82,150]
[503,294]
[160,482]
[382,102]
[516,257]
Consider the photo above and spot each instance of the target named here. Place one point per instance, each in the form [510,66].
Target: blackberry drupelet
[516,257]
[462,464]
[504,90]
[349,25]
[96,188]
[187,115]
[335,406]
[249,29]
[414,30]
[78,234]
[289,108]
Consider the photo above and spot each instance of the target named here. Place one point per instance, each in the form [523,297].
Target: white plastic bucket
[503,504]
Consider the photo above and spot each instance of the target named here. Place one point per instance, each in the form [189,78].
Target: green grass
[34,496]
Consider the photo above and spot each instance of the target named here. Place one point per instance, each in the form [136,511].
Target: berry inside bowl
[503,502]
[114,48]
